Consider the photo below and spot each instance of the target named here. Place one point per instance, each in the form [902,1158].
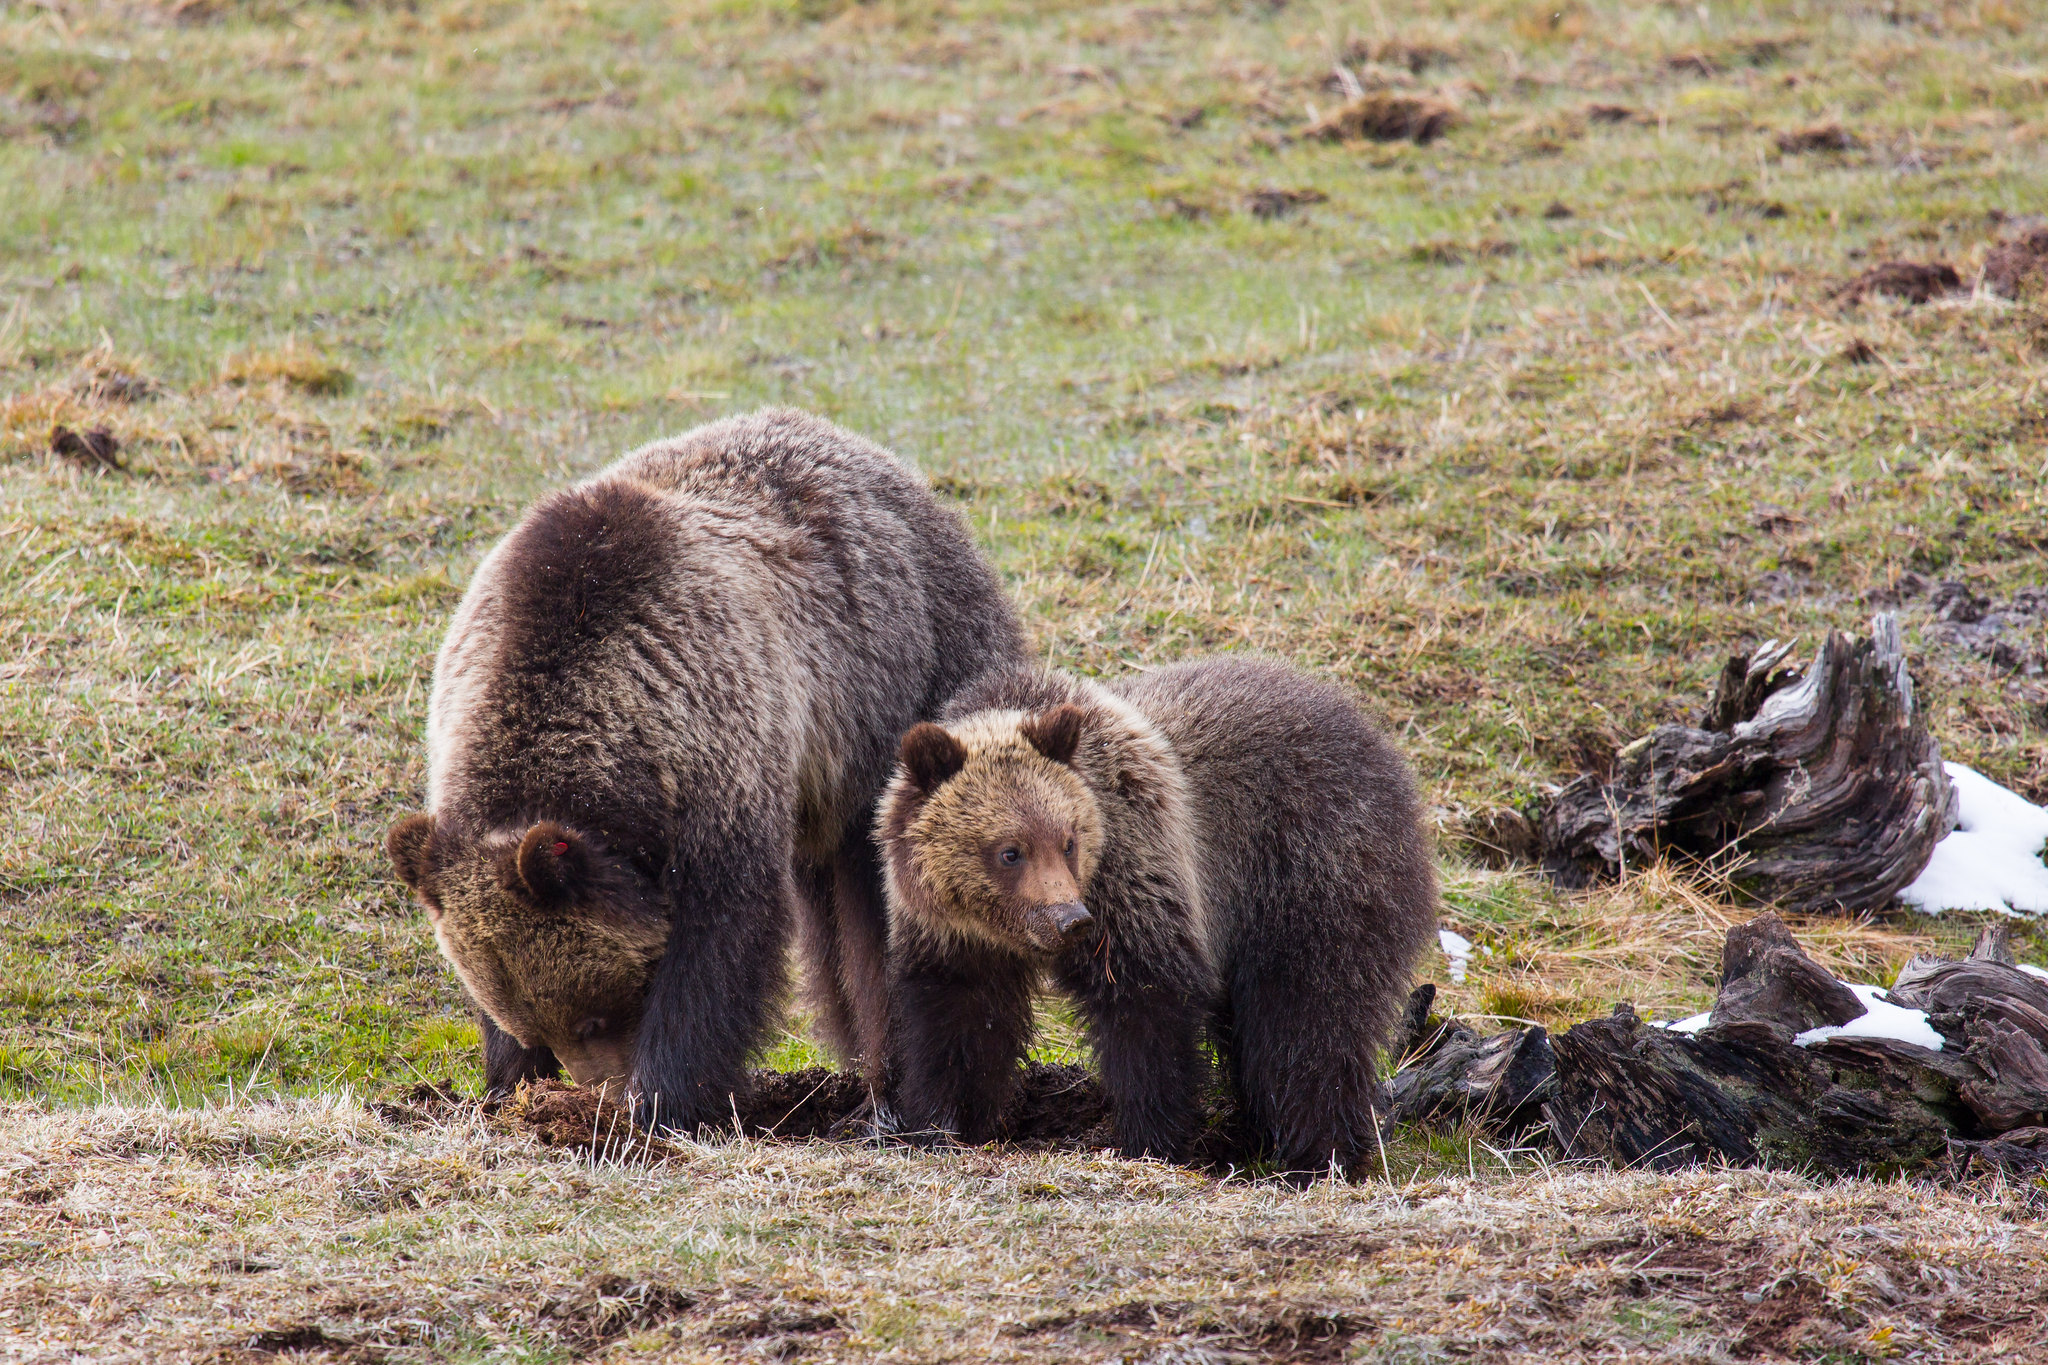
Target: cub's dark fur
[659,726]
[1224,844]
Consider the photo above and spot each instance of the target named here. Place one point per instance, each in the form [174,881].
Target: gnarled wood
[1817,791]
[1457,1076]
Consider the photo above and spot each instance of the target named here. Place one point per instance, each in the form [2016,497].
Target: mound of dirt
[94,449]
[2018,269]
[1055,1108]
[1383,116]
[1913,281]
[1821,137]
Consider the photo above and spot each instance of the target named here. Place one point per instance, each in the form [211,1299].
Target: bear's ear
[1055,733]
[407,843]
[931,755]
[554,863]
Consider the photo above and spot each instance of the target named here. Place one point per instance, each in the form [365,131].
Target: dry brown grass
[252,1232]
[1652,940]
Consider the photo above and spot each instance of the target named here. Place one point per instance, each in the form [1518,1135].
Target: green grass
[1517,433]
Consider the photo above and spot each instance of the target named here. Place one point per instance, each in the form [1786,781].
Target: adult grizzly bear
[659,725]
[1224,844]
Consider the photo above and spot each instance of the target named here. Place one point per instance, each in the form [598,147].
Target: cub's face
[989,833]
[555,940]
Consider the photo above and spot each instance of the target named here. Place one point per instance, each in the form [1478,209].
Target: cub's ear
[554,863]
[1055,733]
[407,844]
[931,755]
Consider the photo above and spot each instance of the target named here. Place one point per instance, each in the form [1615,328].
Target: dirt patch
[611,1306]
[1288,1248]
[1385,117]
[2018,269]
[301,1340]
[1913,281]
[1054,1109]
[423,1105]
[1821,137]
[1272,203]
[1290,1334]
[93,449]
[1456,253]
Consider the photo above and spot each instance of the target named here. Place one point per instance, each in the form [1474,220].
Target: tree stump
[1816,791]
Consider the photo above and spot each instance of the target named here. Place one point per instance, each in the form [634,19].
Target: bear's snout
[1051,925]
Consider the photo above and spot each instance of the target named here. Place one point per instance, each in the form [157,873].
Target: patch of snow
[2031,970]
[1458,949]
[1992,860]
[1692,1025]
[1880,1019]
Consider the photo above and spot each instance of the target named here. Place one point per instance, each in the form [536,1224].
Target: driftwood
[1818,790]
[1742,1090]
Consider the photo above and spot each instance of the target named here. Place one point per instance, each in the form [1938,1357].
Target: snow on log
[1817,791]
[1992,860]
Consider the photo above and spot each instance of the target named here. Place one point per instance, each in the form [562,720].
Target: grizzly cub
[659,725]
[1223,845]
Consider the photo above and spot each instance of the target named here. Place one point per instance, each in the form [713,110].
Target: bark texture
[1742,1090]
[1816,790]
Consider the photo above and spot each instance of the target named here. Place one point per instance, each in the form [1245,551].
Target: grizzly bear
[659,725]
[1224,848]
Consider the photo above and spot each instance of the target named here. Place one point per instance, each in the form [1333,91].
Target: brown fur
[659,725]
[1251,861]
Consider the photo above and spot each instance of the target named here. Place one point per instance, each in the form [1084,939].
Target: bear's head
[989,834]
[554,938]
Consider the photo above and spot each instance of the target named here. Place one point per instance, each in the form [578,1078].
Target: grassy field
[1518,432]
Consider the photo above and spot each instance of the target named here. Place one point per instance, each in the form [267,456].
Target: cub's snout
[1051,925]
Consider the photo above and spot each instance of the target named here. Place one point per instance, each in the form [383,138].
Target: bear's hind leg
[818,940]
[843,931]
[1302,1056]
[861,918]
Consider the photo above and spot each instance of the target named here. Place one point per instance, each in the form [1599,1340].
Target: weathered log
[1457,1077]
[1817,791]
[1994,1015]
[1766,979]
[1743,1093]
[1742,1090]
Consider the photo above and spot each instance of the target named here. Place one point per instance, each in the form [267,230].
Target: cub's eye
[590,1027]
[1011,857]
[1068,847]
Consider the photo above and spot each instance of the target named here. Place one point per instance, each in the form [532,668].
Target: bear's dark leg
[506,1063]
[1145,1014]
[861,919]
[961,1022]
[722,976]
[1302,1053]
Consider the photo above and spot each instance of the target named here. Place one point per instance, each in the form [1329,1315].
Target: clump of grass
[293,364]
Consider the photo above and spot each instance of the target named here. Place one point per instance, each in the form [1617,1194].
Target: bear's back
[1290,784]
[762,603]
